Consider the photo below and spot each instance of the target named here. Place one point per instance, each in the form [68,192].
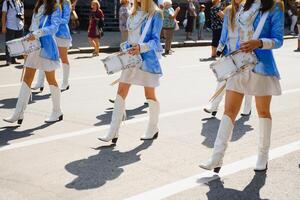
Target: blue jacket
[151,45]
[45,34]
[272,37]
[63,30]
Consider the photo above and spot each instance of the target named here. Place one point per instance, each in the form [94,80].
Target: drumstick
[217,93]
[115,82]
[22,74]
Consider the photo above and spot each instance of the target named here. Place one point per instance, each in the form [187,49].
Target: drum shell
[21,46]
[232,64]
[120,61]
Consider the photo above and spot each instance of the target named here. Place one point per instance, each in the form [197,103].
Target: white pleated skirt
[61,42]
[250,83]
[135,76]
[34,60]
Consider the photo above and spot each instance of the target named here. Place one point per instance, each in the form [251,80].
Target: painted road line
[202,178]
[71,79]
[102,128]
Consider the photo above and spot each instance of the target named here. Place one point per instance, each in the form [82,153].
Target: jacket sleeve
[277,29]
[154,42]
[66,13]
[224,35]
[53,27]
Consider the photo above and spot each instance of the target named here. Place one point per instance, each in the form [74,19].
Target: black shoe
[15,62]
[246,115]
[111,101]
[213,58]
[8,63]
[297,50]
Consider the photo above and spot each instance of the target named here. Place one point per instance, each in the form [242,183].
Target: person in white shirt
[12,23]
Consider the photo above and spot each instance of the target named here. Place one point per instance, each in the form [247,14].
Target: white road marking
[71,79]
[202,178]
[104,127]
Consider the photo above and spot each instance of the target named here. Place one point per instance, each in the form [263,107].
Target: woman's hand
[30,37]
[251,45]
[135,50]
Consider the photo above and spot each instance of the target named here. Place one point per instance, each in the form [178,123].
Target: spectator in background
[292,12]
[123,16]
[169,23]
[12,23]
[190,15]
[216,16]
[201,21]
[298,24]
[74,22]
[94,30]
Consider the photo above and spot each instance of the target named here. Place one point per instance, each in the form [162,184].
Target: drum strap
[146,29]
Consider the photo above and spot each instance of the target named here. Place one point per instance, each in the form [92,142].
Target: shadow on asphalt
[251,191]
[96,170]
[210,128]
[106,118]
[11,102]
[9,133]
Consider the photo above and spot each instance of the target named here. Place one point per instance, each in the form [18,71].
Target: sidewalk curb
[112,49]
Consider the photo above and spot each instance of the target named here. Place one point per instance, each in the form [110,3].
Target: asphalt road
[66,161]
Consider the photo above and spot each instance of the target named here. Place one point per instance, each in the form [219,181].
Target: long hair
[50,6]
[265,5]
[232,9]
[146,5]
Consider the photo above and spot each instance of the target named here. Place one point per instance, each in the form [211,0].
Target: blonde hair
[96,2]
[167,1]
[146,5]
[232,9]
[122,2]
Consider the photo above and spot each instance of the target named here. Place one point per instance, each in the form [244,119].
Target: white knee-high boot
[116,119]
[66,74]
[152,129]
[22,102]
[247,105]
[40,81]
[56,114]
[224,134]
[265,128]
[214,105]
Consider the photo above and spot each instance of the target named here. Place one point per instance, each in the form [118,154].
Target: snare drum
[232,64]
[120,61]
[21,46]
